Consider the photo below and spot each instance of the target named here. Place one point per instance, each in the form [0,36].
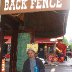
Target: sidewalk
[67,63]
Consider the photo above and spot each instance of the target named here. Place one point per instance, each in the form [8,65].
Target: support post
[13,52]
[1,43]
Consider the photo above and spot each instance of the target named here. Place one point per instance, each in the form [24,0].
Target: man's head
[31,53]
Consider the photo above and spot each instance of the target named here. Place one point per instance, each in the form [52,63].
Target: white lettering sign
[59,3]
[23,4]
[45,4]
[38,6]
[6,5]
[12,5]
[17,4]
[52,5]
[34,4]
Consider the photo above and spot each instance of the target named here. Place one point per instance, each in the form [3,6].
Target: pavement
[67,63]
[65,66]
[58,68]
[7,67]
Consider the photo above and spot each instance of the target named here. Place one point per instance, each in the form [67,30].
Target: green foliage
[70,46]
[65,41]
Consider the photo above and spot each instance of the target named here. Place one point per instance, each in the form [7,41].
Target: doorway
[41,50]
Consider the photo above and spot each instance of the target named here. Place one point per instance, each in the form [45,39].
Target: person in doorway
[4,50]
[32,62]
[41,53]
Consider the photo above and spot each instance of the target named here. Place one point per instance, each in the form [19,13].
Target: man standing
[33,63]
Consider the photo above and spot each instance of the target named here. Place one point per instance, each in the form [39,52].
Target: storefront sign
[20,6]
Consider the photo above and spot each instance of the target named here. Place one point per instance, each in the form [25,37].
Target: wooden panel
[47,24]
[22,6]
[1,44]
[13,53]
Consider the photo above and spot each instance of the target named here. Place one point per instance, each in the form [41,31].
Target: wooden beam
[9,23]
[1,43]
[13,24]
[10,20]
[13,52]
[0,5]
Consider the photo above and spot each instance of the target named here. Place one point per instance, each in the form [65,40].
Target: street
[58,68]
[55,68]
[66,66]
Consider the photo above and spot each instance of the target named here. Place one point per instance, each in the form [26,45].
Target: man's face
[31,54]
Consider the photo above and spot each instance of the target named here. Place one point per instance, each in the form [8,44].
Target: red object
[8,39]
[42,40]
[62,47]
[61,59]
[7,55]
[50,57]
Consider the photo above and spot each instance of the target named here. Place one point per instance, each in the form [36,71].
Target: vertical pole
[0,5]
[13,54]
[1,42]
[0,45]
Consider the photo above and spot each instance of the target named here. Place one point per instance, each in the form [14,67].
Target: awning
[47,24]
